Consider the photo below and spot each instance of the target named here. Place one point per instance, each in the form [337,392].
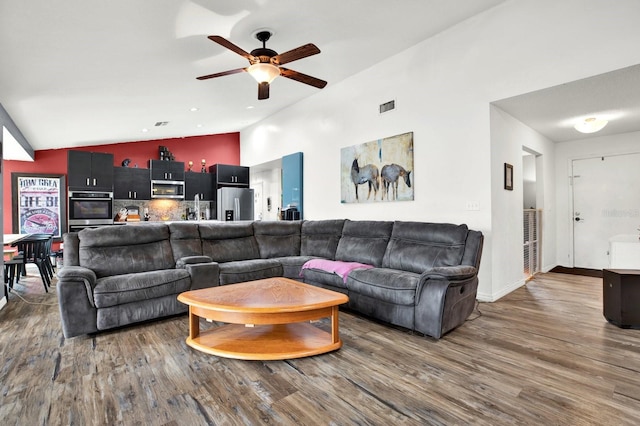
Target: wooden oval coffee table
[266,319]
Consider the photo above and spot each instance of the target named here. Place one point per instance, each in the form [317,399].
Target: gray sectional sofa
[417,275]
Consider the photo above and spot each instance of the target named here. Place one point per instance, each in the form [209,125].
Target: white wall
[508,138]
[627,143]
[443,88]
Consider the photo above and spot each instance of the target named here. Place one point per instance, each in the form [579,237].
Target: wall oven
[88,209]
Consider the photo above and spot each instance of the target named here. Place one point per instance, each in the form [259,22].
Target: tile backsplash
[161,209]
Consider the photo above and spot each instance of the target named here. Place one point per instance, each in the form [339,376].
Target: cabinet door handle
[88,181]
[94,181]
[135,194]
[129,194]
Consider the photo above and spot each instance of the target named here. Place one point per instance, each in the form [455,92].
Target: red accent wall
[221,148]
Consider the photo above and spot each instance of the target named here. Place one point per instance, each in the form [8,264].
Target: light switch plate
[473,205]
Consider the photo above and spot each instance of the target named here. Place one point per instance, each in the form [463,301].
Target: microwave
[87,208]
[167,189]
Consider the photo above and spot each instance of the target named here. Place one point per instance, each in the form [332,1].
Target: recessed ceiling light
[590,125]
[198,125]
[193,109]
[145,130]
[250,107]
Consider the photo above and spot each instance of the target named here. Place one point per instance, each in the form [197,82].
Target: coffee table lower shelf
[264,342]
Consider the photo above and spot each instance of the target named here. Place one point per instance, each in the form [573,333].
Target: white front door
[606,202]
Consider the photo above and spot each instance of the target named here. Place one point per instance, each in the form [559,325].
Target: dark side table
[621,297]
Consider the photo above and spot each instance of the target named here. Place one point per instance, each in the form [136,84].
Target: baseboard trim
[484,297]
[578,271]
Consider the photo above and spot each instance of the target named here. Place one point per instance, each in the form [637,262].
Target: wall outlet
[473,205]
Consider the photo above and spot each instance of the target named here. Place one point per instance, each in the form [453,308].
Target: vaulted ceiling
[80,72]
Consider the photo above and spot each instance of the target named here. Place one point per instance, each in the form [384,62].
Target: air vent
[161,123]
[387,106]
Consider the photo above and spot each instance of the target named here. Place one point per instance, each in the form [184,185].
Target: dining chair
[12,270]
[33,249]
[45,254]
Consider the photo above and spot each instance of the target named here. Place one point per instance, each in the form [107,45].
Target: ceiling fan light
[590,125]
[263,72]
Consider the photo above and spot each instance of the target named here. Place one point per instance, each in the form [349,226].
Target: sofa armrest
[451,273]
[441,278]
[78,274]
[203,275]
[434,315]
[190,260]
[78,312]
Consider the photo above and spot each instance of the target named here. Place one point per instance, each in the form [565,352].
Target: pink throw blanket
[337,267]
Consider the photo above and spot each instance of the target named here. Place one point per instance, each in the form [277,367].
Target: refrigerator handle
[236,209]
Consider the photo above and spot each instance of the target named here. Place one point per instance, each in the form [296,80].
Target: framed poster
[38,204]
[377,171]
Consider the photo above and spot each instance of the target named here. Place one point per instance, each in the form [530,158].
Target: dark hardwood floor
[542,355]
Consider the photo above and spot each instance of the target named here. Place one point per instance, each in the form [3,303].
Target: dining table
[9,239]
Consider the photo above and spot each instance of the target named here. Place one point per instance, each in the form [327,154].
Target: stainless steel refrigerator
[234,204]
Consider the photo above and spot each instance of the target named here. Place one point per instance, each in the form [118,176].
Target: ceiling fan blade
[302,78]
[263,90]
[226,43]
[295,54]
[220,74]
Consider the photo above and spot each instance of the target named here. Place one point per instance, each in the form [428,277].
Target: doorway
[605,203]
[258,204]
[532,212]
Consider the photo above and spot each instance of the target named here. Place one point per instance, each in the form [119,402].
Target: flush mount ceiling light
[590,125]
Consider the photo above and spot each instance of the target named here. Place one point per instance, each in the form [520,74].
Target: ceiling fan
[265,64]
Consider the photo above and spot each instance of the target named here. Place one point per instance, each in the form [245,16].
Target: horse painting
[389,175]
[365,174]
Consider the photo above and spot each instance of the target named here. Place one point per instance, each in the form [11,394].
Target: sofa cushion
[320,238]
[249,270]
[127,288]
[292,265]
[229,241]
[338,267]
[322,278]
[185,240]
[389,285]
[277,238]
[419,246]
[364,241]
[125,249]
[143,310]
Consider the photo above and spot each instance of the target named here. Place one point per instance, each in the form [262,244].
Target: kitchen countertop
[144,222]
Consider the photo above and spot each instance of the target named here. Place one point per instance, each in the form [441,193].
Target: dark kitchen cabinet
[201,184]
[166,170]
[90,171]
[131,184]
[228,175]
